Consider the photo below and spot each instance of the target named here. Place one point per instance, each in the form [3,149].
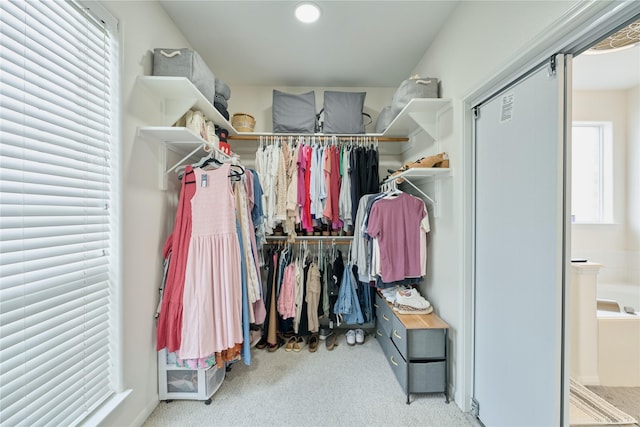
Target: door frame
[580,28]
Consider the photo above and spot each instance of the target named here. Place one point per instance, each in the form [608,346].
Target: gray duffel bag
[294,113]
[385,118]
[185,63]
[415,87]
[343,112]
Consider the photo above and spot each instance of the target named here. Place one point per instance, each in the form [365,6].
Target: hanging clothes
[347,307]
[311,186]
[397,223]
[169,328]
[212,300]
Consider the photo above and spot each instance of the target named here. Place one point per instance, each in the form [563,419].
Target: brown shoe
[437,161]
[298,344]
[314,340]
[331,341]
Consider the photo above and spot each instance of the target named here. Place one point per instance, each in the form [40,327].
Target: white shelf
[423,173]
[419,113]
[409,174]
[177,95]
[178,139]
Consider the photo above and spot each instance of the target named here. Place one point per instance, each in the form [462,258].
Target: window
[57,213]
[591,174]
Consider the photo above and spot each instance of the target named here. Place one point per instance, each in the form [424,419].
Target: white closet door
[519,252]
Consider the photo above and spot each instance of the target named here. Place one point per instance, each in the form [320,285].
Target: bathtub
[626,294]
[618,349]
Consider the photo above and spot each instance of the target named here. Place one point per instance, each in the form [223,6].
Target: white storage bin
[175,382]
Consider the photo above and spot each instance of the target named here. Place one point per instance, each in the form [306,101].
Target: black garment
[353,166]
[303,327]
[373,179]
[269,292]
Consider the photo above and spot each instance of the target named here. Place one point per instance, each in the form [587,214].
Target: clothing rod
[257,137]
[312,240]
[309,242]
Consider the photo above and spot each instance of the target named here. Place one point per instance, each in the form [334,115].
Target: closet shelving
[176,95]
[422,173]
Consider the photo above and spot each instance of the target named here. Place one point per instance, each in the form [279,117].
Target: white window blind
[55,213]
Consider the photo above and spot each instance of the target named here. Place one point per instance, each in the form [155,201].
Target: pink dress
[212,299]
[169,327]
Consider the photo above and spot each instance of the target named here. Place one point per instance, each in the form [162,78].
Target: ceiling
[612,71]
[354,44]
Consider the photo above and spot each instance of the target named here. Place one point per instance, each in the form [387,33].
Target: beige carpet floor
[349,386]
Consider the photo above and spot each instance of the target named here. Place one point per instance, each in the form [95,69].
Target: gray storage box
[185,63]
[422,87]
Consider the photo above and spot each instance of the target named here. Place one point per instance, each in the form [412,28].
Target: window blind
[55,213]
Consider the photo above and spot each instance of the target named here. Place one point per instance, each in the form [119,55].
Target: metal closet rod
[257,137]
[312,240]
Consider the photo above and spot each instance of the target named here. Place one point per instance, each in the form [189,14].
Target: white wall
[633,183]
[606,243]
[481,39]
[145,208]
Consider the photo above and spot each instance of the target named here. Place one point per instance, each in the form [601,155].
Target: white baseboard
[146,412]
[589,380]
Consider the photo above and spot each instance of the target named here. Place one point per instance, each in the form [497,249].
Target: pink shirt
[287,298]
[397,223]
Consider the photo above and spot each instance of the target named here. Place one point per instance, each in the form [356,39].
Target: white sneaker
[412,298]
[359,336]
[351,337]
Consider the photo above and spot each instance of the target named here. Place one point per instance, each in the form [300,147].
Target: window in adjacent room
[592,173]
[58,213]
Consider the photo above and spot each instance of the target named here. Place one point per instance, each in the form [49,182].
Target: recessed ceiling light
[307,12]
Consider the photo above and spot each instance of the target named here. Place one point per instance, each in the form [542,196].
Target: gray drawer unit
[419,343]
[415,346]
[384,316]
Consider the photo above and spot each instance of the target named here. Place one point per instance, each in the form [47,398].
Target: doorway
[605,345]
[486,251]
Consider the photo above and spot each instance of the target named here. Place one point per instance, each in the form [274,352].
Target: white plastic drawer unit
[175,382]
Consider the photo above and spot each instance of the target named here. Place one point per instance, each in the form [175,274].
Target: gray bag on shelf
[185,63]
[343,112]
[223,89]
[294,113]
[421,87]
[385,118]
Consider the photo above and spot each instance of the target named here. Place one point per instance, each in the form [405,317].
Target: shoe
[262,343]
[351,337]
[359,336]
[290,343]
[314,340]
[331,341]
[440,160]
[273,347]
[298,344]
[411,298]
[405,309]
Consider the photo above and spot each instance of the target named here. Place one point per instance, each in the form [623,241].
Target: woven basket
[243,122]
